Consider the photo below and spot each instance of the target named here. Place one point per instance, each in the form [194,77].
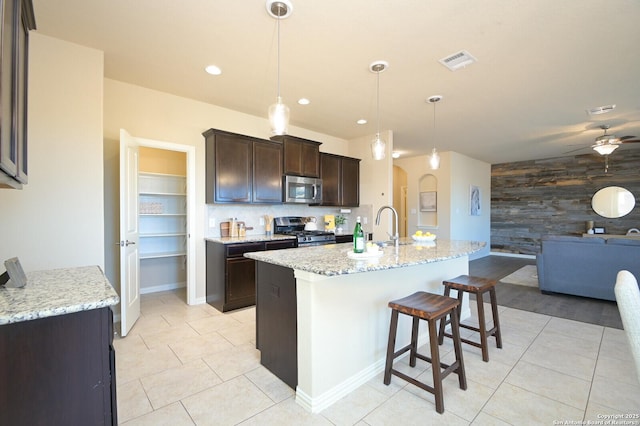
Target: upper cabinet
[241,169]
[17,20]
[301,156]
[340,180]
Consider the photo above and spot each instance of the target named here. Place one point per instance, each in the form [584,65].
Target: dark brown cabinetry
[340,180]
[301,156]
[241,169]
[17,21]
[231,277]
[59,370]
[277,322]
[345,238]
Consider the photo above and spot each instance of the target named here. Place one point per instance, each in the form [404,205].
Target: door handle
[125,243]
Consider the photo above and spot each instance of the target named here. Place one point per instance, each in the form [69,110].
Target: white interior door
[129,243]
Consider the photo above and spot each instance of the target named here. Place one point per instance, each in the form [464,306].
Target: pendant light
[434,158]
[279,112]
[378,146]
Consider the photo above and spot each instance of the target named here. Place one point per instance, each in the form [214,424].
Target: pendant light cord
[378,104]
[279,56]
[434,125]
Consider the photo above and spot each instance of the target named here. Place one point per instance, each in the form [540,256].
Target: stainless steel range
[294,225]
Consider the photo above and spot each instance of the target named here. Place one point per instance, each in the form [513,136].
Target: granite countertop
[250,238]
[57,292]
[332,259]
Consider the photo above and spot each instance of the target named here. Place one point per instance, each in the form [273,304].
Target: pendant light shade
[434,158]
[279,112]
[279,117]
[378,146]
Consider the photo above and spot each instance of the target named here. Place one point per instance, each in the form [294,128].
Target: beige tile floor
[192,365]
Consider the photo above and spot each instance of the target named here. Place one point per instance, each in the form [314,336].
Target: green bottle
[358,237]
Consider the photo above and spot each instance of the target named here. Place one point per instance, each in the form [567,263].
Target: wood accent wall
[530,199]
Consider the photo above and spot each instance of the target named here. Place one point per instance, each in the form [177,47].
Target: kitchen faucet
[395,237]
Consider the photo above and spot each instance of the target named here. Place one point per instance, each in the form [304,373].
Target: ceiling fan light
[434,160]
[604,149]
[378,148]
[279,117]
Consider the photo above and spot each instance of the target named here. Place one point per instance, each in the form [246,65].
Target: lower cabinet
[59,370]
[231,277]
[277,321]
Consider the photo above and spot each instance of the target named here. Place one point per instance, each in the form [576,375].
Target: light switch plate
[212,222]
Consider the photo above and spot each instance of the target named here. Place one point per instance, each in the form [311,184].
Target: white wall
[376,182]
[56,221]
[467,172]
[455,176]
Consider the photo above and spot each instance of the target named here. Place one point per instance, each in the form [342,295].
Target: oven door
[302,190]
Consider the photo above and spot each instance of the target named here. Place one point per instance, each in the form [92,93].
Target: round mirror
[613,202]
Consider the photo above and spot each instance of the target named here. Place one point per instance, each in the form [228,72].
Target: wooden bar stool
[429,307]
[477,286]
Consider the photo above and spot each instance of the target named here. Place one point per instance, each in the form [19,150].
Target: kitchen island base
[341,324]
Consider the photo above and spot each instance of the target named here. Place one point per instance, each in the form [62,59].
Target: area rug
[527,276]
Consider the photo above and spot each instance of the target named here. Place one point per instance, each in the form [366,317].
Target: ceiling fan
[606,143]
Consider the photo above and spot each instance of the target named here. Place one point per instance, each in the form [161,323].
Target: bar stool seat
[431,308]
[478,286]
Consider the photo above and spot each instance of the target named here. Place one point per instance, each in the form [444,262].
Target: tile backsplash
[251,215]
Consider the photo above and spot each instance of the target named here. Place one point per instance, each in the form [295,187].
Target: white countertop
[332,259]
[57,292]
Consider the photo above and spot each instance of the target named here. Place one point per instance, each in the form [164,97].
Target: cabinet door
[310,160]
[267,172]
[330,167]
[350,182]
[292,157]
[17,20]
[8,146]
[241,283]
[21,69]
[233,169]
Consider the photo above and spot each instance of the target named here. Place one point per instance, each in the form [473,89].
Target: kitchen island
[58,363]
[322,318]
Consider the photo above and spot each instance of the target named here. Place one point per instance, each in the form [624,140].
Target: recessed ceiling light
[213,70]
[361,121]
[304,101]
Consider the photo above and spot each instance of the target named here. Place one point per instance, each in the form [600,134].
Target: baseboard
[200,301]
[164,287]
[319,403]
[522,256]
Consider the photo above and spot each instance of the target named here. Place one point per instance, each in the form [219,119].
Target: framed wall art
[474,201]
[428,201]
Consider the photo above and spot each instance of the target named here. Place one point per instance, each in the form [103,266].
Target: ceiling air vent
[601,109]
[458,60]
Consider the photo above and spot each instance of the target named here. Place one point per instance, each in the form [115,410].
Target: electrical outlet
[365,220]
[212,222]
[262,221]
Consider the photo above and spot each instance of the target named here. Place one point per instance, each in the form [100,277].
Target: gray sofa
[585,266]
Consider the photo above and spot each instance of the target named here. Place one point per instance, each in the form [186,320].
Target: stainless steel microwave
[304,190]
